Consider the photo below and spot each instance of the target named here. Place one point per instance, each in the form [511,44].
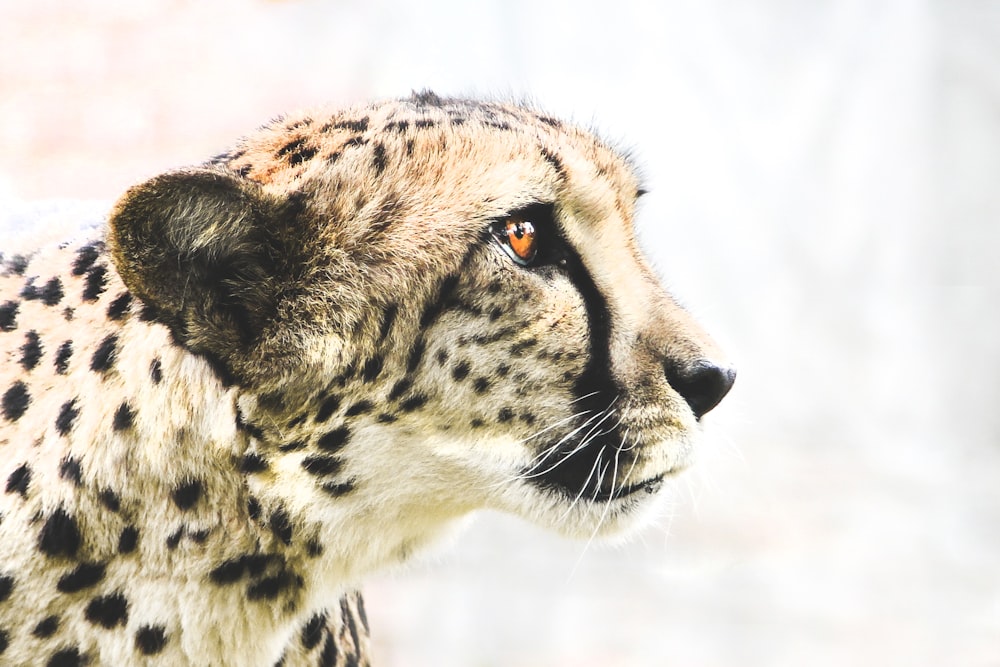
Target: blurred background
[825,196]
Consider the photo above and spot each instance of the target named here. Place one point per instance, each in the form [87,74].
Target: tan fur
[324,361]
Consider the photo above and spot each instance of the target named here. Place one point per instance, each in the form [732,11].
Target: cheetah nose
[703,384]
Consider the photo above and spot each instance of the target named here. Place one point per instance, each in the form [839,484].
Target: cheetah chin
[272,374]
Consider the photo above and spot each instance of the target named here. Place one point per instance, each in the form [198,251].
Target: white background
[825,192]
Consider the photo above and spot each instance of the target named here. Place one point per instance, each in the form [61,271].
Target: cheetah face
[441,302]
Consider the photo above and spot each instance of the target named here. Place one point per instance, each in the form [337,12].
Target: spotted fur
[298,363]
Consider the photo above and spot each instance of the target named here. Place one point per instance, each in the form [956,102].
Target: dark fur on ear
[205,249]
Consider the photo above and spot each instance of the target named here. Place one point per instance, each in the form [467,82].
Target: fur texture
[275,373]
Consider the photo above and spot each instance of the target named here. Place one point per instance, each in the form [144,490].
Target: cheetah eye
[519,238]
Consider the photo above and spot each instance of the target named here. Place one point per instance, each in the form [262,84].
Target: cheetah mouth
[651,486]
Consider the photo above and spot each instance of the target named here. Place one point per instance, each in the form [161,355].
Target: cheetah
[263,378]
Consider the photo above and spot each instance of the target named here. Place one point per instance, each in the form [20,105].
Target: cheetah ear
[205,249]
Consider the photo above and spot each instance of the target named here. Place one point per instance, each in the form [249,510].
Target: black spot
[505,415]
[29,292]
[388,318]
[84,575]
[503,370]
[63,354]
[15,401]
[127,540]
[355,141]
[253,462]
[69,469]
[528,418]
[414,402]
[460,371]
[228,572]
[321,465]
[52,293]
[371,369]
[108,610]
[495,313]
[400,388]
[85,258]
[18,480]
[110,500]
[297,151]
[548,120]
[336,489]
[253,508]
[124,417]
[96,282]
[174,538]
[269,588]
[46,627]
[200,536]
[156,371]
[481,385]
[359,408]
[293,446]
[17,264]
[60,536]
[281,526]
[187,494]
[312,631]
[441,356]
[314,548]
[252,430]
[328,658]
[150,639]
[353,125]
[8,315]
[523,345]
[424,123]
[327,408]
[67,657]
[554,160]
[256,563]
[378,162]
[67,415]
[433,309]
[104,356]
[386,418]
[6,586]
[119,306]
[335,439]
[348,618]
[68,314]
[398,126]
[416,355]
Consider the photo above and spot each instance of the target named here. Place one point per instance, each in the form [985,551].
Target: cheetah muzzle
[272,374]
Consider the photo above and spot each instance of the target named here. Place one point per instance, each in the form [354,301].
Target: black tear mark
[434,307]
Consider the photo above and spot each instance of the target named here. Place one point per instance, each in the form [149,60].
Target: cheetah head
[440,304]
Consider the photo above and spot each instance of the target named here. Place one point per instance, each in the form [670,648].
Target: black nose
[702,383]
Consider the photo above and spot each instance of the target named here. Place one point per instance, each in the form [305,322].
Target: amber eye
[519,235]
